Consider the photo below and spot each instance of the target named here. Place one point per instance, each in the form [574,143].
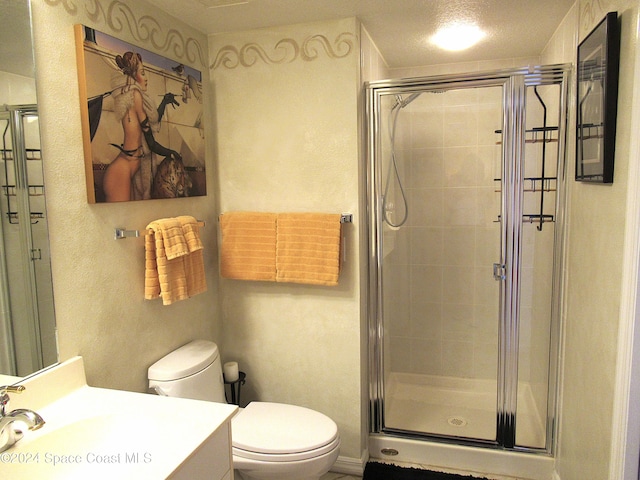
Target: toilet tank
[191,371]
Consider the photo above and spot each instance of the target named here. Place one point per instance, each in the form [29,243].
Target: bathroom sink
[112,445]
[102,433]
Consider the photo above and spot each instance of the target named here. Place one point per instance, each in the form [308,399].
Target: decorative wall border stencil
[118,17]
[286,50]
[141,122]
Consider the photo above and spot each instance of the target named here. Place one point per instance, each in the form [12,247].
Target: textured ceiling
[400,28]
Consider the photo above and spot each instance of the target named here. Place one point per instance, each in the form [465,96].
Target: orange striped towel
[308,248]
[194,262]
[172,234]
[248,250]
[191,232]
[151,278]
[182,275]
[163,277]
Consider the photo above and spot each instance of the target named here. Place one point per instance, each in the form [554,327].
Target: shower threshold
[457,407]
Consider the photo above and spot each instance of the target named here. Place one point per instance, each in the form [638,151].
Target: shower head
[403,102]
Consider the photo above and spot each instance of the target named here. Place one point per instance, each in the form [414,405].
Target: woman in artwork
[139,117]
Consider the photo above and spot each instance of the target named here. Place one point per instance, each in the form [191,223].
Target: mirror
[27,320]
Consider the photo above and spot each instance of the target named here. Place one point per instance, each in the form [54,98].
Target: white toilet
[270,440]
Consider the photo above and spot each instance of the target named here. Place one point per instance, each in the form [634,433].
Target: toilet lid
[185,361]
[275,431]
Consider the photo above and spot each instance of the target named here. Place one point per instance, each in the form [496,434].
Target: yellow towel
[308,248]
[194,262]
[248,250]
[173,240]
[182,275]
[191,232]
[151,279]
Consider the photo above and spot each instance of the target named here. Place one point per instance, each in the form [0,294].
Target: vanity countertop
[8,379]
[93,432]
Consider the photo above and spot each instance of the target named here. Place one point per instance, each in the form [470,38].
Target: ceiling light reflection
[457,36]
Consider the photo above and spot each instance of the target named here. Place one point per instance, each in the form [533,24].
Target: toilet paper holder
[235,388]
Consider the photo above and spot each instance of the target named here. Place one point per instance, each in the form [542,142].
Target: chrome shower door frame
[514,84]
[16,115]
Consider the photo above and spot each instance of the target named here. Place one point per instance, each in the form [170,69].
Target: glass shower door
[466,182]
[440,236]
[27,317]
[539,289]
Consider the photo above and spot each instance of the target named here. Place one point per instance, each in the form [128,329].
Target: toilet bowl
[269,440]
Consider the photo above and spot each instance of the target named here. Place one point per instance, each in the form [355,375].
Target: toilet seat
[275,432]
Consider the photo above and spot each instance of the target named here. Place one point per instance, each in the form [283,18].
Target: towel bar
[346,218]
[121,233]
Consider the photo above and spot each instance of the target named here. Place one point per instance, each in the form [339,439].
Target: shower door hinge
[36,254]
[499,271]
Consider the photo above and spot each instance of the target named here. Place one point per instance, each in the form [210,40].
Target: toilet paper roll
[230,370]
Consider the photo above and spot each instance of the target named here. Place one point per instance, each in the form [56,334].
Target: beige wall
[98,281]
[287,134]
[594,266]
[374,66]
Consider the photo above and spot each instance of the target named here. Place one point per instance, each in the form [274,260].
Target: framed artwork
[142,125]
[596,102]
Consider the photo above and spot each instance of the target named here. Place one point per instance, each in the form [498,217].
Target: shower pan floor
[456,407]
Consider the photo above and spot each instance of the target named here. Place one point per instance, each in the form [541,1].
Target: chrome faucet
[10,432]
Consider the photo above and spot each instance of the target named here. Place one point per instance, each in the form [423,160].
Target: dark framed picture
[142,127]
[597,98]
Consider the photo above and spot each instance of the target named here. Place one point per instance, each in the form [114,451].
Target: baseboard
[351,465]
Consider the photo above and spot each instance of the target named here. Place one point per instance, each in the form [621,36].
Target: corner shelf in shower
[34,190]
[537,135]
[532,218]
[536,184]
[590,130]
[30,154]
[540,185]
[10,190]
[35,217]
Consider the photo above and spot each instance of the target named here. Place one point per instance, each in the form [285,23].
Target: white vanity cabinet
[212,461]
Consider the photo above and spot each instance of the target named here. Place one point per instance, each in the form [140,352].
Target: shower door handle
[499,272]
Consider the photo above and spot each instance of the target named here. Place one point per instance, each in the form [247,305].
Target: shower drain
[456,421]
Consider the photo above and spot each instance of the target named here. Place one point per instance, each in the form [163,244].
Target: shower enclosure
[27,319]
[465,185]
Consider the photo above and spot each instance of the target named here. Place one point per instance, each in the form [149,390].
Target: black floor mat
[383,471]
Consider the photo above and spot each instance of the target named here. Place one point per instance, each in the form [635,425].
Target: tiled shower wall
[441,293]
[441,301]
